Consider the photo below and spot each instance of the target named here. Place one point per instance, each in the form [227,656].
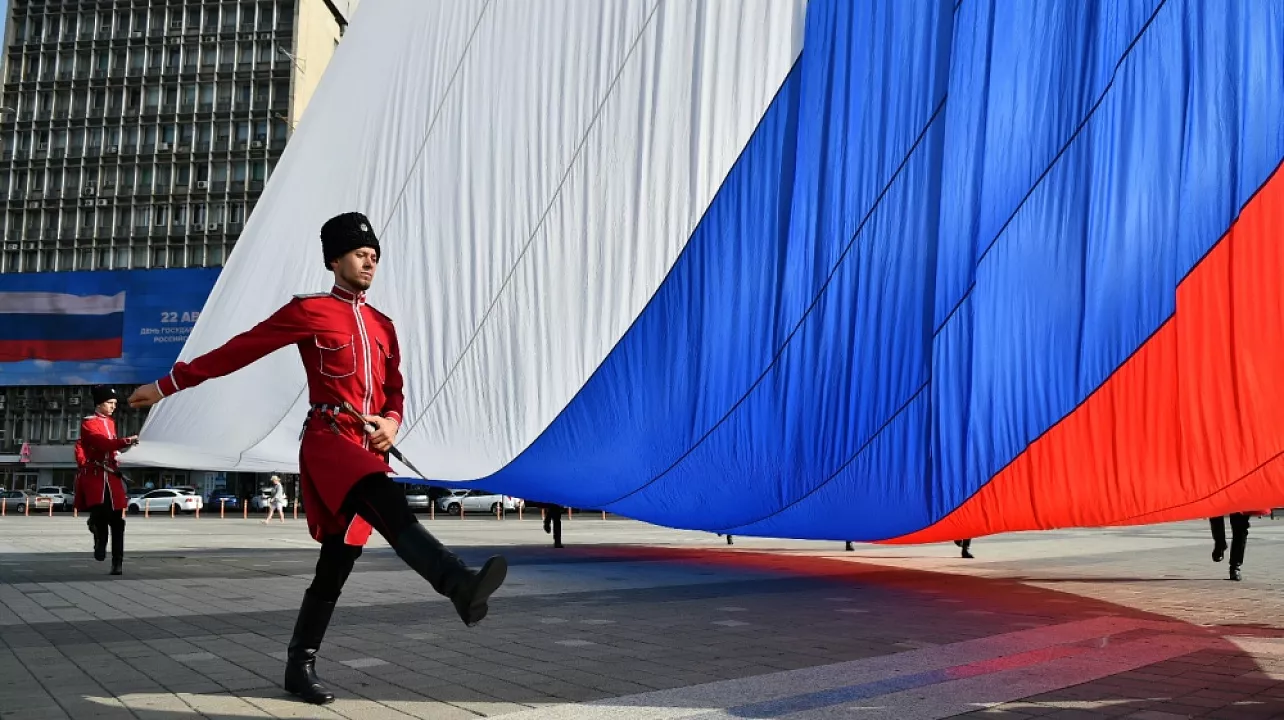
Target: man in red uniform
[99,488]
[350,353]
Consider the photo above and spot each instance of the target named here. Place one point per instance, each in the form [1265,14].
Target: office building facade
[137,135]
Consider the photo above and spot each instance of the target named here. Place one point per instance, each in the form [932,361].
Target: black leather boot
[467,589]
[1235,574]
[100,539]
[117,526]
[300,665]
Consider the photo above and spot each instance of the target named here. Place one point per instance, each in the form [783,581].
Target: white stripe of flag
[47,303]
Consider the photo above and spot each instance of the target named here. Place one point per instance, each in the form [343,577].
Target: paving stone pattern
[632,621]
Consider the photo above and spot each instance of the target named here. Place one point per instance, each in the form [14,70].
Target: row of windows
[58,426]
[207,252]
[39,430]
[211,57]
[184,97]
[130,139]
[19,479]
[124,216]
[209,17]
[54,427]
[144,178]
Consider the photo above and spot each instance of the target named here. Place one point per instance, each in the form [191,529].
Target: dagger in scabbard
[370,429]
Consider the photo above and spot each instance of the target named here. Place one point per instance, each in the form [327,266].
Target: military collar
[348,296]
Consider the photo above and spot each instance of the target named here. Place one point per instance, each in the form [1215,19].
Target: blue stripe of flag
[22,326]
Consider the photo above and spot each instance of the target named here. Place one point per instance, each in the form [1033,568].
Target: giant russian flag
[897,270]
[60,326]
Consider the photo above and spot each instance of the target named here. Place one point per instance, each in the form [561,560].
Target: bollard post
[51,509]
[520,508]
[222,508]
[570,513]
[26,509]
[4,506]
[75,512]
[461,509]
[171,508]
[432,510]
[245,510]
[296,508]
[198,511]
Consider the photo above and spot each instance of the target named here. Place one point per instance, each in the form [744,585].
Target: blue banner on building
[81,328]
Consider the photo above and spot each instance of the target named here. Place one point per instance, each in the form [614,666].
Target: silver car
[475,501]
[417,497]
[63,498]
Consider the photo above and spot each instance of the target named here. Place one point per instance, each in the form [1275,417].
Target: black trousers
[103,520]
[1239,535]
[553,521]
[380,502]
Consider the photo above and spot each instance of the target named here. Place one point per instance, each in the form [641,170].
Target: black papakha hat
[102,393]
[344,233]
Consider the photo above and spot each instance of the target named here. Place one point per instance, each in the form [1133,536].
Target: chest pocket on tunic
[336,356]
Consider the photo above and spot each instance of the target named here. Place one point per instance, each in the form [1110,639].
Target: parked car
[259,503]
[63,498]
[224,497]
[19,500]
[474,501]
[417,497]
[161,500]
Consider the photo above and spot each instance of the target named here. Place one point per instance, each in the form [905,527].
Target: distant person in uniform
[552,519]
[100,488]
[351,354]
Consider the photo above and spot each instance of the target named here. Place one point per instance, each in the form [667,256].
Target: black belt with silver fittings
[329,412]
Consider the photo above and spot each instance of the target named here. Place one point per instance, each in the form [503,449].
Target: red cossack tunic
[350,353]
[97,447]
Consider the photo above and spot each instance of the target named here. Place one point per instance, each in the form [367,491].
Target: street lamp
[298,64]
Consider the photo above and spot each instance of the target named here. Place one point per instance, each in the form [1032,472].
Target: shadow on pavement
[852,633]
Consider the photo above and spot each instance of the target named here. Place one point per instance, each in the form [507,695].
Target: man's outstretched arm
[286,326]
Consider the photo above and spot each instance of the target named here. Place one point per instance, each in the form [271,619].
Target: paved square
[633,621]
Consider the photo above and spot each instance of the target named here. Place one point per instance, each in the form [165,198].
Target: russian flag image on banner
[59,326]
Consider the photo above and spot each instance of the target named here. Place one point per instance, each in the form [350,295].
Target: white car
[161,500]
[475,501]
[259,503]
[63,498]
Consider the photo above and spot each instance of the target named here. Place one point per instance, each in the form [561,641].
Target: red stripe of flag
[60,350]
